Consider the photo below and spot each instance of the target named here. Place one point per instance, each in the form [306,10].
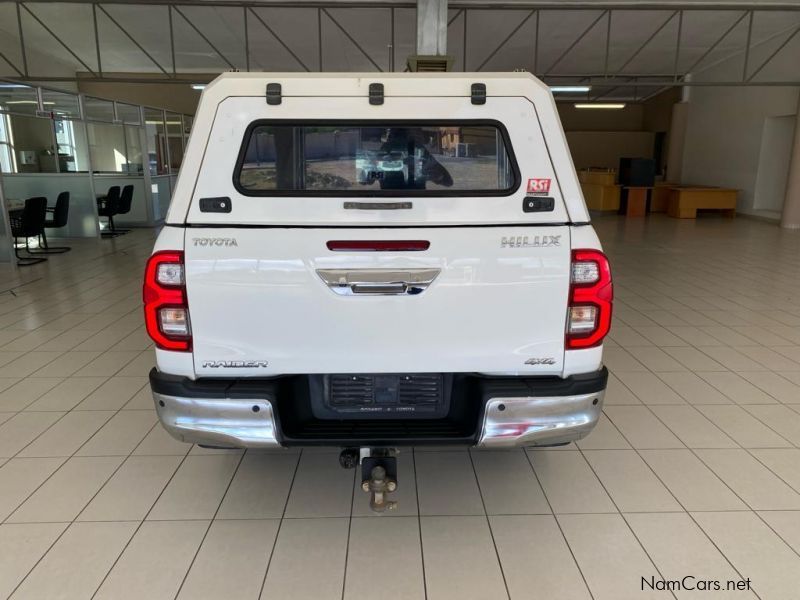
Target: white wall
[773,163]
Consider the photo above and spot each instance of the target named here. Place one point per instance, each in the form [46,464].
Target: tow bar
[378,473]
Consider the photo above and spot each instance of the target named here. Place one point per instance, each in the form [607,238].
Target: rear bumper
[489,412]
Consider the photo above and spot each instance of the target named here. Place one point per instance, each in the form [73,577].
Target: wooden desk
[684,202]
[637,201]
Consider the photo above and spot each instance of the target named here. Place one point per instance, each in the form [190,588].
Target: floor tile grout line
[725,483]
[622,516]
[489,524]
[557,522]
[139,526]
[671,493]
[280,523]
[349,527]
[210,523]
[419,522]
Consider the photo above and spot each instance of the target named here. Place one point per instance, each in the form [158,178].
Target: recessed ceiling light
[601,105]
[198,86]
[570,89]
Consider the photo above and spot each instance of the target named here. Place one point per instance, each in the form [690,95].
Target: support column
[791,203]
[431,27]
[431,37]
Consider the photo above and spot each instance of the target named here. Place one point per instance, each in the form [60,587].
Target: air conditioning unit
[430,63]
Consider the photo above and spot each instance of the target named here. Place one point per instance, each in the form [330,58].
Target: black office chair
[125,201]
[108,206]
[59,218]
[28,223]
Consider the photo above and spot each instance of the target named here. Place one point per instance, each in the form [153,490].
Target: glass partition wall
[53,141]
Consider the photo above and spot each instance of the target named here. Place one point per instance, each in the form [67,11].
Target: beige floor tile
[132,490]
[121,434]
[77,563]
[657,360]
[619,360]
[107,364]
[155,561]
[67,490]
[317,472]
[405,496]
[604,437]
[784,462]
[300,544]
[29,363]
[446,484]
[114,394]
[159,443]
[641,428]
[693,389]
[617,393]
[737,389]
[743,427]
[535,556]
[463,545]
[232,561]
[67,394]
[609,556]
[776,386]
[628,337]
[508,484]
[68,434]
[196,489]
[692,427]
[660,336]
[404,580]
[780,419]
[139,366]
[755,551]
[678,547]
[694,336]
[21,546]
[141,400]
[66,364]
[629,481]
[753,482]
[260,488]
[650,389]
[26,391]
[19,477]
[786,524]
[694,485]
[569,483]
[66,340]
[769,358]
[693,359]
[20,430]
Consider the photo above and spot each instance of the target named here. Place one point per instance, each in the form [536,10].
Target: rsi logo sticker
[538,186]
[215,242]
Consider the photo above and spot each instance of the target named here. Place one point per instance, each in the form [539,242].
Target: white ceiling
[210,39]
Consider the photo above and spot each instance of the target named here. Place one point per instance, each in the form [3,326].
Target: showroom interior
[682,118]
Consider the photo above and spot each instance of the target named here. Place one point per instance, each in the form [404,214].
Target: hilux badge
[524,241]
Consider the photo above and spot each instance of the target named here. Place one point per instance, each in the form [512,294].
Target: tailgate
[271,300]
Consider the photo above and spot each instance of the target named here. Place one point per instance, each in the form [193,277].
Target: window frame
[500,127]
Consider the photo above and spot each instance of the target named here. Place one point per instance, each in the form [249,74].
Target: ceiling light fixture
[570,89]
[198,86]
[602,105]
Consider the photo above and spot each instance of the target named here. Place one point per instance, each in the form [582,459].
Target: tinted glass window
[374,159]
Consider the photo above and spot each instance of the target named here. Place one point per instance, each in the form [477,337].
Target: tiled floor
[694,469]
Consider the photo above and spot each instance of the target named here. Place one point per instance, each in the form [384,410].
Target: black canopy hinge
[376,93]
[274,94]
[478,93]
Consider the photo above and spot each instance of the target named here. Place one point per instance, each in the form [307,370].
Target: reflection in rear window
[375,159]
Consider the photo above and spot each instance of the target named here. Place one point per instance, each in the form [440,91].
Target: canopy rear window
[376,158]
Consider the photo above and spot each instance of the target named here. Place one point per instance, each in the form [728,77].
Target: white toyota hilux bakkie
[371,261]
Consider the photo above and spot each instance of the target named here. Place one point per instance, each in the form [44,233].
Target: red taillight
[591,294]
[166,311]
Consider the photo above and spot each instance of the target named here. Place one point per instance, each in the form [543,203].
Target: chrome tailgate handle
[378,282]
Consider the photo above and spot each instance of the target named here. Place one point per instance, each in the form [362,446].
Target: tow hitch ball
[378,473]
